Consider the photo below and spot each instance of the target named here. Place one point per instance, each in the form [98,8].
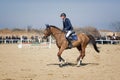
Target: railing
[108,41]
[11,41]
[27,42]
[17,41]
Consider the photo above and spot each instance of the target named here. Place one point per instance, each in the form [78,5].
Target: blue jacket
[67,25]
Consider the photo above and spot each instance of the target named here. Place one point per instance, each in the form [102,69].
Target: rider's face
[63,17]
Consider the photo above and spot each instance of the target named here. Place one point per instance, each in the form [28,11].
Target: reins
[56,33]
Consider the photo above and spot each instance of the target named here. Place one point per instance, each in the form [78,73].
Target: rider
[67,27]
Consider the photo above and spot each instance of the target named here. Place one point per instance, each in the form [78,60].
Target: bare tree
[89,30]
[116,26]
[29,28]
[17,29]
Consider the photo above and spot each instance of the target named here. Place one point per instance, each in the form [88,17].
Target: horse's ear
[47,25]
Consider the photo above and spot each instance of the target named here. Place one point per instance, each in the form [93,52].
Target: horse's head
[47,31]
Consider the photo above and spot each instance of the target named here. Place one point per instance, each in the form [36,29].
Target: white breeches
[68,34]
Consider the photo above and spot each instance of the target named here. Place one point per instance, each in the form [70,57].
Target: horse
[62,43]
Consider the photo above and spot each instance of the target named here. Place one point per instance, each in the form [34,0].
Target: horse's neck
[57,33]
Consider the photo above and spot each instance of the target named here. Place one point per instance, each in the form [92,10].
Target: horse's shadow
[73,64]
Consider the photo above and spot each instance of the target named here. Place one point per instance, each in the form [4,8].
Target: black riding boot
[69,43]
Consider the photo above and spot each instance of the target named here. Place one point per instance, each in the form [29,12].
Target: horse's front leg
[80,58]
[79,61]
[60,58]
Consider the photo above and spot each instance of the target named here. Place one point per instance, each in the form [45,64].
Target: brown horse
[62,43]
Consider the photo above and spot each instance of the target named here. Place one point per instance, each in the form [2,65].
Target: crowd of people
[9,39]
[25,39]
[109,39]
[37,39]
[113,37]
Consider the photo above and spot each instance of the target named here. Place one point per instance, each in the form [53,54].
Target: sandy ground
[36,63]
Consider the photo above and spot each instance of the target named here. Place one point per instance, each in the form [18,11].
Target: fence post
[50,41]
[102,41]
[12,40]
[5,41]
[111,41]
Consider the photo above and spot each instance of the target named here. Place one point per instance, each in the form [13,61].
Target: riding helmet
[63,14]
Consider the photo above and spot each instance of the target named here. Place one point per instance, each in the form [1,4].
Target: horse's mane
[55,27]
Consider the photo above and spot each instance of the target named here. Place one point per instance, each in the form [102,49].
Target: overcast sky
[36,13]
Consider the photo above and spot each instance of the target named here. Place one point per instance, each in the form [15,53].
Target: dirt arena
[36,63]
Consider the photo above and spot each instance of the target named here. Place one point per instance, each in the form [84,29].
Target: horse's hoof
[78,66]
[66,63]
[60,65]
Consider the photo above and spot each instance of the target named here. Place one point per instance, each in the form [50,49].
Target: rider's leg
[67,37]
[68,34]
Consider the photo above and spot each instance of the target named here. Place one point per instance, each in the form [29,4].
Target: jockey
[67,27]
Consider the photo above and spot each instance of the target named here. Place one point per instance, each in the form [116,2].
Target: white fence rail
[108,41]
[15,41]
[28,42]
[11,41]
[35,44]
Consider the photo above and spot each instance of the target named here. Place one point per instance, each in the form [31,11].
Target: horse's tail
[92,40]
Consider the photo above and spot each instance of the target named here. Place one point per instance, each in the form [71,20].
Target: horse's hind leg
[79,49]
[79,57]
